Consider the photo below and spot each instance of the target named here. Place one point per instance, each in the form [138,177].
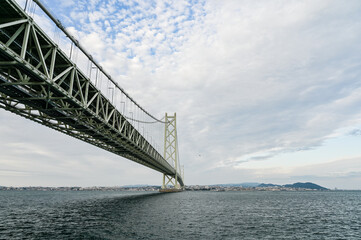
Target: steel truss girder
[38,81]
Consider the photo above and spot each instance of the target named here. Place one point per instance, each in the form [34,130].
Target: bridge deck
[38,81]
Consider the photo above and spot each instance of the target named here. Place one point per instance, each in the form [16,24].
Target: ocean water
[185,215]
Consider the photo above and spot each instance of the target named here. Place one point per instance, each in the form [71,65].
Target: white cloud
[248,79]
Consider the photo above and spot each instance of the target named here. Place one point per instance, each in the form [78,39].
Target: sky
[265,91]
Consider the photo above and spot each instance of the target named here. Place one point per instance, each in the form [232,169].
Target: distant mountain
[307,185]
[268,185]
[249,184]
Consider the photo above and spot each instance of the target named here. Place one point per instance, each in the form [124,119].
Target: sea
[186,215]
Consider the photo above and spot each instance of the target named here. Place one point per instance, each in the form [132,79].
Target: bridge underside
[39,82]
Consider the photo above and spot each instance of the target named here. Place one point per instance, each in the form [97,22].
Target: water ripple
[186,215]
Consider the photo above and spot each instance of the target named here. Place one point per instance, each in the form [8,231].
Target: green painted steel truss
[39,82]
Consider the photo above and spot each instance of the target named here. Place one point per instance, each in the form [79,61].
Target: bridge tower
[40,80]
[171,151]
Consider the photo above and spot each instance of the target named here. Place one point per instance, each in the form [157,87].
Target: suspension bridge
[54,81]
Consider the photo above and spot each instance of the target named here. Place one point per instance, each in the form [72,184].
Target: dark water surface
[186,215]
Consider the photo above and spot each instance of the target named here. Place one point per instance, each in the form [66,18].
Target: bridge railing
[149,126]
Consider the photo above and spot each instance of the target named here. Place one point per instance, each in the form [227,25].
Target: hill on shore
[306,185]
[298,185]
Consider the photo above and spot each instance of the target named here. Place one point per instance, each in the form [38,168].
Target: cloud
[247,79]
[34,155]
[355,132]
[341,173]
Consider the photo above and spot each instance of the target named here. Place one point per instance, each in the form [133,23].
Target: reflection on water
[186,215]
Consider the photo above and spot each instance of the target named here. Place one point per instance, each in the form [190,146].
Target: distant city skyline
[264,91]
